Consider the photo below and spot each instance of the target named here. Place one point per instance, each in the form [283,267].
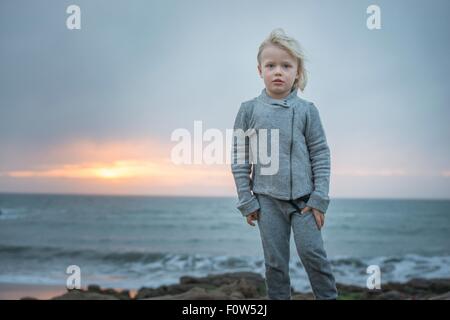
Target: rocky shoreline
[249,285]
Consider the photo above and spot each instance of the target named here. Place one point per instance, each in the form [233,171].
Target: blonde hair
[279,38]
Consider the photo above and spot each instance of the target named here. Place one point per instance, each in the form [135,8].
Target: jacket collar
[285,102]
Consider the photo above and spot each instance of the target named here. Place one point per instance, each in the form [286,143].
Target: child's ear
[298,74]
[259,70]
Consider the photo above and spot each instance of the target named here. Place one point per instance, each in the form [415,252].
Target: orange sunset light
[114,170]
[121,167]
[124,169]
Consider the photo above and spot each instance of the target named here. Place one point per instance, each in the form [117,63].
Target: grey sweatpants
[276,218]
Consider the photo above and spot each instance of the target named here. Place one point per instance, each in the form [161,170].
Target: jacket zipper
[290,153]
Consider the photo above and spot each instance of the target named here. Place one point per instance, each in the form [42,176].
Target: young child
[296,195]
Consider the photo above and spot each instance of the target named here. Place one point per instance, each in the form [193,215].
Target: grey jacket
[304,155]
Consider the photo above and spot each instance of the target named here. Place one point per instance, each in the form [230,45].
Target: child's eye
[287,66]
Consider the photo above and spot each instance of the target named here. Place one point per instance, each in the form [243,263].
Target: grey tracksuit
[304,170]
[304,156]
[276,218]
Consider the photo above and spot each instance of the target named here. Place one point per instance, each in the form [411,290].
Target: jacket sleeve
[319,154]
[241,166]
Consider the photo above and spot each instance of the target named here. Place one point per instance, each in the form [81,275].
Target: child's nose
[278,70]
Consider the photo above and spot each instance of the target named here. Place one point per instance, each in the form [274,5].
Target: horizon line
[195,196]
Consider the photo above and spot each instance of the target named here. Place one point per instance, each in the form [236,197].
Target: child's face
[279,69]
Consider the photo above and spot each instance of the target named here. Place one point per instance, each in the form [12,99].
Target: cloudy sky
[93,110]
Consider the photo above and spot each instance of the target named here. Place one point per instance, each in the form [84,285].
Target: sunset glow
[145,167]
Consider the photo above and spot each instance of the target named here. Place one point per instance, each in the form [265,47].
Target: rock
[350,288]
[254,279]
[236,295]
[434,285]
[391,295]
[194,294]
[94,292]
[84,295]
[122,295]
[228,285]
[417,289]
[302,296]
[175,289]
[94,288]
[241,286]
[445,296]
[249,285]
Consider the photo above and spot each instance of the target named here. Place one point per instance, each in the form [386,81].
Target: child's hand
[252,216]
[319,216]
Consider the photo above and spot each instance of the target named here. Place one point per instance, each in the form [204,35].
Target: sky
[93,110]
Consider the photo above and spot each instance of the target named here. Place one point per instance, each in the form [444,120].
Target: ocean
[136,241]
